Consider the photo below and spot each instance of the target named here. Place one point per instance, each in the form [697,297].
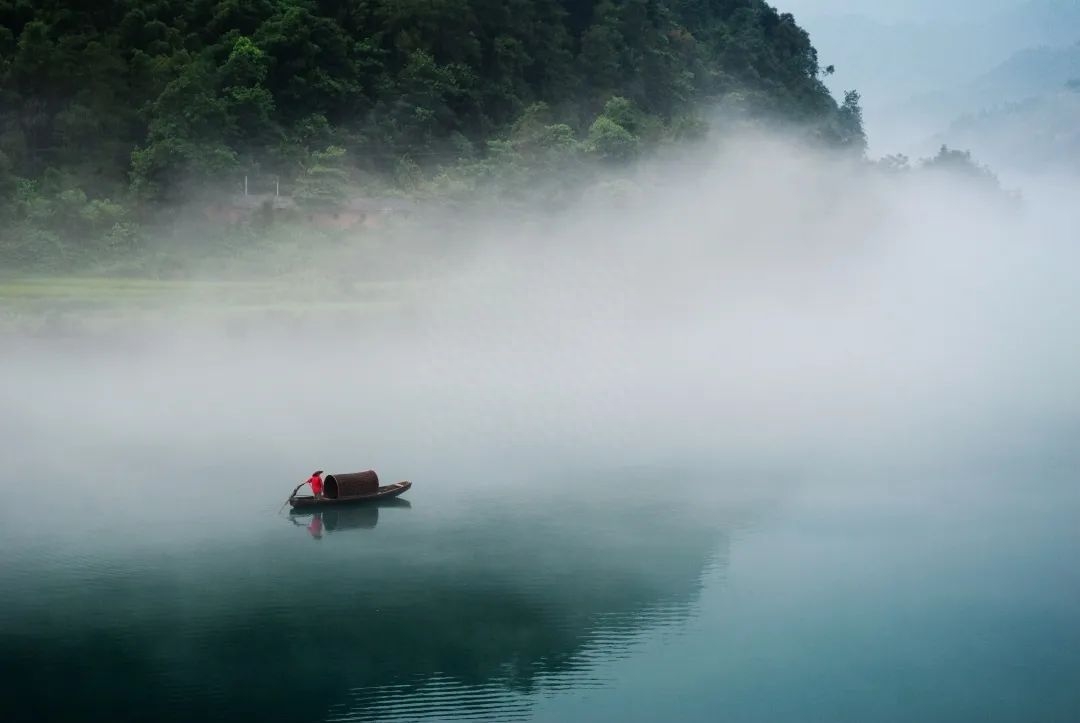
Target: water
[606,593]
[594,532]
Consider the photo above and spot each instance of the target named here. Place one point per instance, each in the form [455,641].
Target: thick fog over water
[760,305]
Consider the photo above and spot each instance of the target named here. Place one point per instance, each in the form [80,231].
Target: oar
[293,494]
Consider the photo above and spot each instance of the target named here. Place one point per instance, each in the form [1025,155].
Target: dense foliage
[114,109]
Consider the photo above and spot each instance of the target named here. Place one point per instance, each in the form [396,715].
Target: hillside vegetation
[115,111]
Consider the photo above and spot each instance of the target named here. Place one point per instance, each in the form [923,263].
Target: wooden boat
[385,503]
[382,493]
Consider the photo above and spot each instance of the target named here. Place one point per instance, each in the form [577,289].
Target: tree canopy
[137,103]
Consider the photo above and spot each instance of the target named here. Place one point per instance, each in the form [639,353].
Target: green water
[601,537]
[608,594]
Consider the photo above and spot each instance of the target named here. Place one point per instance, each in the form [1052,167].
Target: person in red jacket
[316,484]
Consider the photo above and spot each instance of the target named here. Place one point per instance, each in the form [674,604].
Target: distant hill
[1027,74]
[1039,16]
[920,66]
[1041,22]
[1024,115]
[1033,135]
[1030,71]
[933,50]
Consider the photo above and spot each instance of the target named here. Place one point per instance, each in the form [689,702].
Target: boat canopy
[353,484]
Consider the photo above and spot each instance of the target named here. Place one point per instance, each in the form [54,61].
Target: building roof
[379,205]
[256,200]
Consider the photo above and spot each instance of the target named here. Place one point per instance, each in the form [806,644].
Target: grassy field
[89,303]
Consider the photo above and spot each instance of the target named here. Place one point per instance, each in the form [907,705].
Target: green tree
[186,147]
[324,180]
[898,163]
[609,141]
[850,124]
[248,106]
[601,48]
[962,165]
[314,64]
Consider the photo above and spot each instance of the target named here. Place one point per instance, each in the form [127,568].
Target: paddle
[291,495]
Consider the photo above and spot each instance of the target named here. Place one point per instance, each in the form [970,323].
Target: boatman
[316,484]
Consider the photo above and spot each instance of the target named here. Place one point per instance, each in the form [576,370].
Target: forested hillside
[112,110]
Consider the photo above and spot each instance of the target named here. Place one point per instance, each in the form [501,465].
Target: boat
[349,489]
[385,492]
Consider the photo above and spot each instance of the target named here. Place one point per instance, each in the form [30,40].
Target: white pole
[245,186]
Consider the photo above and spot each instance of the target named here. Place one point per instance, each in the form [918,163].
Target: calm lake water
[591,535]
[604,594]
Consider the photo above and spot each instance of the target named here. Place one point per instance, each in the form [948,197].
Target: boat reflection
[336,519]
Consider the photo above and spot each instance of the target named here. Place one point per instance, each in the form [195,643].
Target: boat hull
[383,493]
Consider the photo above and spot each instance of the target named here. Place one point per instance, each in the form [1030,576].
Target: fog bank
[765,304]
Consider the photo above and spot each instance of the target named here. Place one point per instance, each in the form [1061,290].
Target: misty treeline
[119,117]
[952,161]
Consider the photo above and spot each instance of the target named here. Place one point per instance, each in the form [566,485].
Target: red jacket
[316,484]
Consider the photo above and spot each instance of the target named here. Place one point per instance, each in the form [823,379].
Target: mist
[765,306]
